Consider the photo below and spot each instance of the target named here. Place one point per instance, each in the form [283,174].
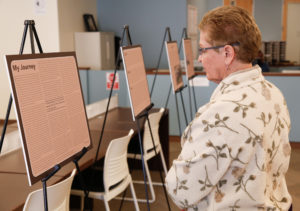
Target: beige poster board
[174,65]
[50,110]
[188,58]
[136,79]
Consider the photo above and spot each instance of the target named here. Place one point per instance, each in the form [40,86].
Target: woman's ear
[229,54]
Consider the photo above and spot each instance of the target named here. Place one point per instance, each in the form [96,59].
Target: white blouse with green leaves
[236,151]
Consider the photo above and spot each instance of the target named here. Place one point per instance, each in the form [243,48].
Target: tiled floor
[160,204]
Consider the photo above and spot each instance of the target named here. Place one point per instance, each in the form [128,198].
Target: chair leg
[106,205]
[149,180]
[134,197]
[142,182]
[81,203]
[163,160]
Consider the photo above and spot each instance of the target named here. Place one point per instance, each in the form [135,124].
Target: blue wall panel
[147,21]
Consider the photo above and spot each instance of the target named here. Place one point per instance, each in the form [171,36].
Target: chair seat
[92,178]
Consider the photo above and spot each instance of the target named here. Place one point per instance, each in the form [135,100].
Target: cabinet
[95,50]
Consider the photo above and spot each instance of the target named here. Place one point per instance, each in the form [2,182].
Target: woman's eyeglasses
[202,50]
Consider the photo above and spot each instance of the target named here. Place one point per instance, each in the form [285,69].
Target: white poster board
[174,65]
[136,79]
[50,110]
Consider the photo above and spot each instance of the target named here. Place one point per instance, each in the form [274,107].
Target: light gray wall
[267,14]
[147,20]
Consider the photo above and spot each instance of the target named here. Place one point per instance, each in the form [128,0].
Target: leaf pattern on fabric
[261,168]
[236,157]
[242,184]
[272,151]
[186,168]
[218,152]
[225,86]
[265,91]
[219,122]
[187,134]
[277,201]
[180,184]
[239,106]
[278,124]
[253,138]
[206,183]
[264,118]
[235,206]
[218,193]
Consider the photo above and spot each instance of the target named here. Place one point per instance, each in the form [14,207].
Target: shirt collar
[238,80]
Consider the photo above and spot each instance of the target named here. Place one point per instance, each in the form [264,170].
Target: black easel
[82,182]
[33,35]
[129,42]
[145,113]
[44,180]
[167,31]
[32,32]
[117,66]
[190,79]
[169,92]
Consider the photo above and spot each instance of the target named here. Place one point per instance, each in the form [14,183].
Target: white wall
[12,16]
[55,27]
[70,15]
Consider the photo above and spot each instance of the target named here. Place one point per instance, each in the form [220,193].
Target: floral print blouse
[236,151]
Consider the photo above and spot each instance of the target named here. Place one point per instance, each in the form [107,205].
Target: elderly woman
[236,151]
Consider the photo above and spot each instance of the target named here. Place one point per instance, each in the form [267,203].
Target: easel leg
[44,180]
[6,121]
[167,102]
[178,118]
[82,183]
[143,162]
[194,96]
[183,107]
[190,100]
[27,23]
[161,177]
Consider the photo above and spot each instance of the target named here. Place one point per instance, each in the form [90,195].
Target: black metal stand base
[44,180]
[82,182]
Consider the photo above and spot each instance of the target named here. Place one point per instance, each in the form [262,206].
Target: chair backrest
[115,162]
[154,119]
[11,142]
[99,107]
[58,196]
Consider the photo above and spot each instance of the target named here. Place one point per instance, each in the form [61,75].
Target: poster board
[188,58]
[136,79]
[174,65]
[50,110]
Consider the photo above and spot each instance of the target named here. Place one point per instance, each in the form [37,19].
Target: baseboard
[174,138]
[10,121]
[295,145]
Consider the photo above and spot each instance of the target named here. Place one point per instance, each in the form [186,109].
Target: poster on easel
[50,110]
[136,79]
[174,65]
[188,58]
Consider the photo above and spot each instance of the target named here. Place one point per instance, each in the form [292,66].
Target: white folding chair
[149,150]
[58,196]
[116,176]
